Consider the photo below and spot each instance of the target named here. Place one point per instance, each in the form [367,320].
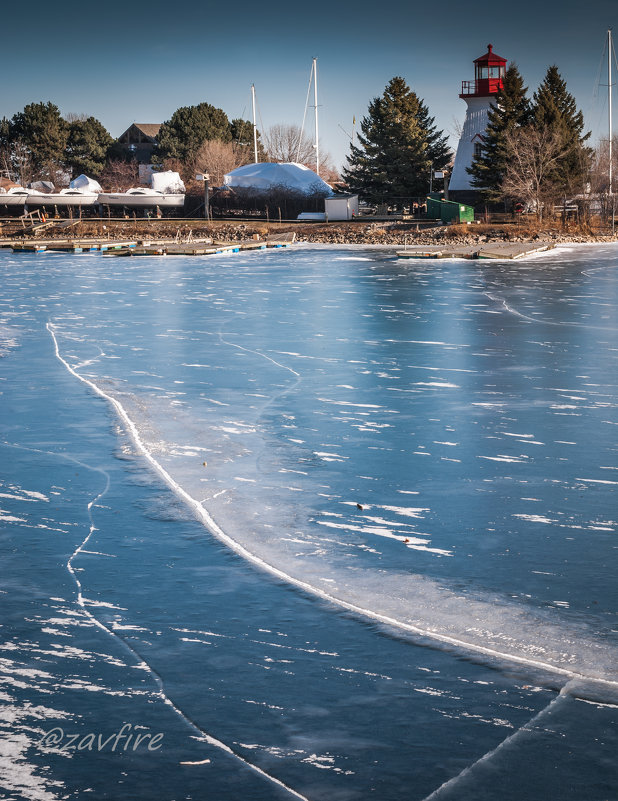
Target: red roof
[490,57]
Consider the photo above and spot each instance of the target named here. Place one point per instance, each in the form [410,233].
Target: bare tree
[285,143]
[328,171]
[456,127]
[533,153]
[119,175]
[218,158]
[20,159]
[74,116]
[599,175]
[599,170]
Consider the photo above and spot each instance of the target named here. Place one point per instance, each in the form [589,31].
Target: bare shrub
[119,175]
[218,158]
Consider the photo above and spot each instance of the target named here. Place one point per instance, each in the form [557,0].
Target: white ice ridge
[443,789]
[204,735]
[203,515]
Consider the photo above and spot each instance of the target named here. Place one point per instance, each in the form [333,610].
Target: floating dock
[146,247]
[513,250]
[495,250]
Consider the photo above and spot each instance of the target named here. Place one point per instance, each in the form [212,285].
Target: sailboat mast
[255,151]
[609,106]
[315,103]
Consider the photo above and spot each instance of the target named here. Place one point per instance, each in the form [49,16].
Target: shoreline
[395,233]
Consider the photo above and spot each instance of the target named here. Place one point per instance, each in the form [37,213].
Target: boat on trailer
[66,197]
[142,198]
[15,196]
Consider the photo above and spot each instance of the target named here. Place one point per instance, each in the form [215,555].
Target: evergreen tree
[5,146]
[189,127]
[242,134]
[555,109]
[437,143]
[43,133]
[510,111]
[397,146]
[5,133]
[87,147]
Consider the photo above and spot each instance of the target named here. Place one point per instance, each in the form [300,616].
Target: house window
[478,149]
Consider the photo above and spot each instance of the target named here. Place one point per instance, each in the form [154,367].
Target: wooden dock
[29,247]
[141,247]
[495,250]
[172,249]
[207,248]
[513,250]
[281,240]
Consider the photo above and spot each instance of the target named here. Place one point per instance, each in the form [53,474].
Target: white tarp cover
[86,184]
[42,187]
[168,182]
[295,177]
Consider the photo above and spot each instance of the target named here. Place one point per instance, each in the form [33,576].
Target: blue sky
[126,62]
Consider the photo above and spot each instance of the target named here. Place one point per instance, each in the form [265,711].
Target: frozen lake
[337,526]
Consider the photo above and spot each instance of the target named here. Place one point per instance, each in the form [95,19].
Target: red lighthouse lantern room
[489,72]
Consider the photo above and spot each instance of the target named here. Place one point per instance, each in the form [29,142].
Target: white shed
[341,207]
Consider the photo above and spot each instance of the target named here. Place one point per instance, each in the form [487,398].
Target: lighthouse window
[494,72]
[483,72]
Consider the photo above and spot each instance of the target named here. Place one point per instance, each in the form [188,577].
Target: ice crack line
[540,320]
[258,353]
[203,734]
[525,729]
[203,515]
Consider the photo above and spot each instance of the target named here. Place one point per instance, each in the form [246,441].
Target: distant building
[140,140]
[479,94]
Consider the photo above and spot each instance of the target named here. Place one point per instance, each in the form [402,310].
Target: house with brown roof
[140,140]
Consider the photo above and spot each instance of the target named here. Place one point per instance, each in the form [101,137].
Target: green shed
[434,203]
[448,211]
[455,212]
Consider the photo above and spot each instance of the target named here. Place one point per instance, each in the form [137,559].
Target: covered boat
[266,176]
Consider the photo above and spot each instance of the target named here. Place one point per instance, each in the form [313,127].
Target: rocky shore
[394,234]
[345,233]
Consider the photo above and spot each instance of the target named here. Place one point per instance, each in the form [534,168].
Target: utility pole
[204,176]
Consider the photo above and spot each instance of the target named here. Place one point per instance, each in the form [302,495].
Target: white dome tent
[269,175]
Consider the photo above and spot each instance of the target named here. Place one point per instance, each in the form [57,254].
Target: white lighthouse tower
[489,72]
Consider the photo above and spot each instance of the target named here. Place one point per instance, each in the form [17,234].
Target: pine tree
[87,147]
[189,127]
[5,146]
[42,132]
[510,111]
[437,142]
[555,109]
[242,135]
[397,145]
